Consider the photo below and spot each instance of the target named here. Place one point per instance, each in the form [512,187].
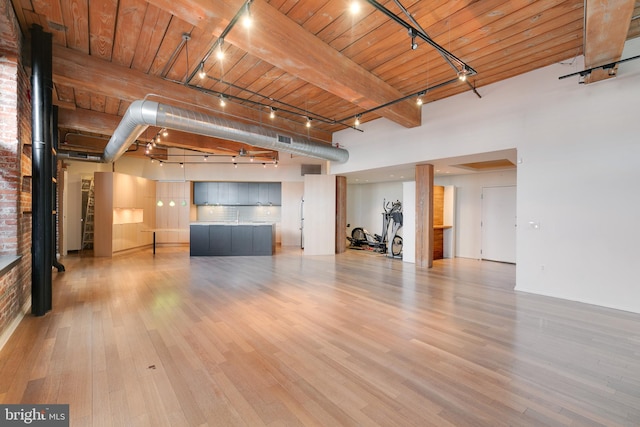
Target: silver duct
[142,114]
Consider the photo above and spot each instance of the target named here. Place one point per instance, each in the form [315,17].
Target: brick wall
[15,169]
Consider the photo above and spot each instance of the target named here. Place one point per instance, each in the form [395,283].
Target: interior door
[499,224]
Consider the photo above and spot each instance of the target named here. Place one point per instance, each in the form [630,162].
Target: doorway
[499,224]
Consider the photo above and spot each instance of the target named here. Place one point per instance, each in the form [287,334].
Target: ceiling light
[246,19]
[160,203]
[181,165]
[272,113]
[419,100]
[233,158]
[222,101]
[308,122]
[172,203]
[202,74]
[357,121]
[251,159]
[414,44]
[275,164]
[264,165]
[354,7]
[235,165]
[205,158]
[220,53]
[165,133]
[462,74]
[161,163]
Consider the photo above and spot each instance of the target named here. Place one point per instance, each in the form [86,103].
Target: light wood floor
[352,340]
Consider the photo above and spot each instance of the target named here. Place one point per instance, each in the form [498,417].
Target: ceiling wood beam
[91,74]
[280,41]
[606,28]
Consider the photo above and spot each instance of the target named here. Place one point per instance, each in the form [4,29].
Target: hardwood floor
[352,340]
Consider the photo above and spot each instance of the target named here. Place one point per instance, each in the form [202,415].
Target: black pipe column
[41,94]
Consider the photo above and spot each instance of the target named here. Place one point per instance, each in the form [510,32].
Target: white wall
[409,221]
[292,193]
[578,176]
[468,233]
[364,204]
[319,214]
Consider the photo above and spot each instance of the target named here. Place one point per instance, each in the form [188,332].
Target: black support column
[41,94]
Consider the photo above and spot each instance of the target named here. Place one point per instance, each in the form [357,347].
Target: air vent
[310,170]
[284,139]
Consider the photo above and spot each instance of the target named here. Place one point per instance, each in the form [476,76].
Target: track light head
[354,7]
[308,122]
[222,101]
[462,74]
[219,52]
[247,20]
[357,121]
[272,113]
[412,34]
[165,133]
[201,73]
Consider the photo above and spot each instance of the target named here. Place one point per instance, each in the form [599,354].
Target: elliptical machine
[392,216]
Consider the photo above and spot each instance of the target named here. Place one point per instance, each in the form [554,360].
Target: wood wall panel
[424,216]
[341,214]
[438,205]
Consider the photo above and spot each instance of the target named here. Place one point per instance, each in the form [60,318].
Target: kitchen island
[232,238]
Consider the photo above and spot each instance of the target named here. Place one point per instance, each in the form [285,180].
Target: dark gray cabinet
[237,193]
[232,239]
[213,193]
[201,193]
[199,240]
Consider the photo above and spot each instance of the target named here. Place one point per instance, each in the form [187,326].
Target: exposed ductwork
[142,114]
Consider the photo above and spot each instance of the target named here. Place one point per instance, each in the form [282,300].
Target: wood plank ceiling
[304,58]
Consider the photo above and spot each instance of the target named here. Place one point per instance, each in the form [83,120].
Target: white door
[499,224]
[72,212]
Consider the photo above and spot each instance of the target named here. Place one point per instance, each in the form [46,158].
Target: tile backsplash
[239,213]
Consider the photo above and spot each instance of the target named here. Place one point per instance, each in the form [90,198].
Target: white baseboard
[4,337]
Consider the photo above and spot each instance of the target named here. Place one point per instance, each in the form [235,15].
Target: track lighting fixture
[205,158]
[201,73]
[419,100]
[272,113]
[251,159]
[161,164]
[462,74]
[222,101]
[264,165]
[247,21]
[357,121]
[308,122]
[172,203]
[160,204]
[165,133]
[235,165]
[181,165]
[275,164]
[354,7]
[414,44]
[219,52]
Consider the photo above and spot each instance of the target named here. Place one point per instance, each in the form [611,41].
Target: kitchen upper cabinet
[213,193]
[263,193]
[243,193]
[233,196]
[201,193]
[237,193]
[275,193]
[223,193]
